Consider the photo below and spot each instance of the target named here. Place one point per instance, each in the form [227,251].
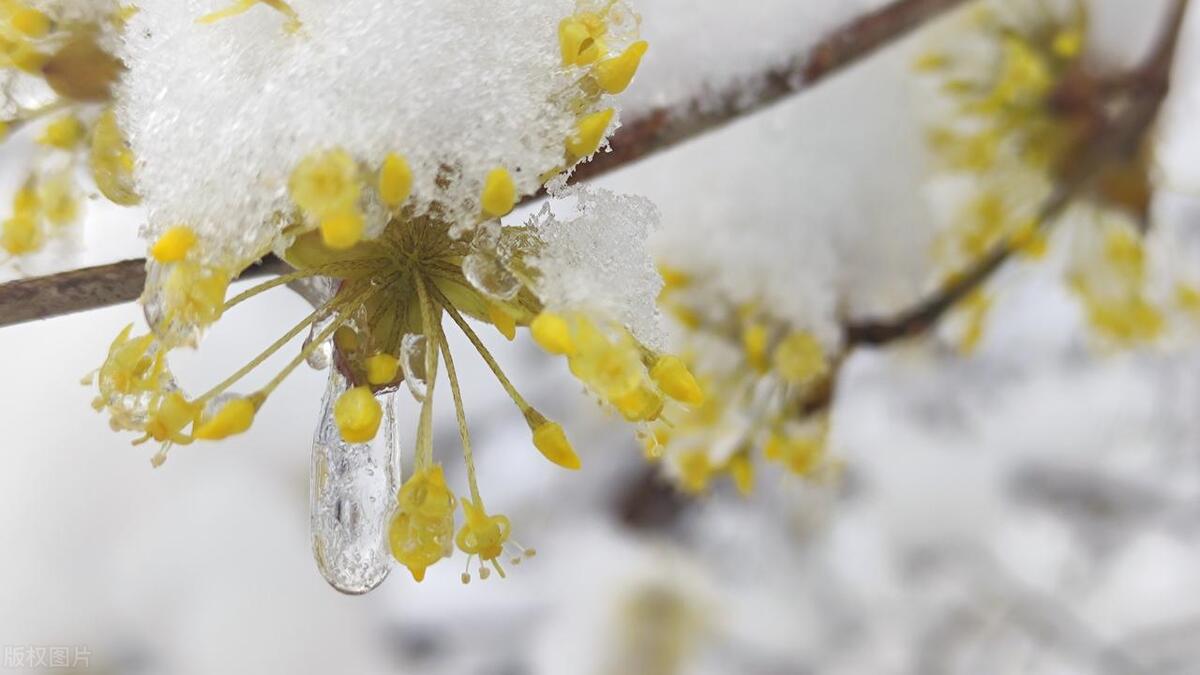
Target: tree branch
[104,285]
[1121,137]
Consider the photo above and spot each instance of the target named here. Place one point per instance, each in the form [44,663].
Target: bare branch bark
[94,287]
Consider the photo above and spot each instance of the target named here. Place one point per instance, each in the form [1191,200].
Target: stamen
[463,433]
[344,316]
[519,400]
[266,353]
[425,424]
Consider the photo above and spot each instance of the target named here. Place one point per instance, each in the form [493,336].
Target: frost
[596,260]
[218,115]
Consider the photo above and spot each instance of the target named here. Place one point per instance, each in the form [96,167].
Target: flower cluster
[394,194]
[58,70]
[767,382]
[1021,109]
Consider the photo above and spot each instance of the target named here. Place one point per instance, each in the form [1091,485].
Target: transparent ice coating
[412,363]
[353,489]
[317,291]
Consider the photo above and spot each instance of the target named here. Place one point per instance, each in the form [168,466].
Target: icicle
[353,489]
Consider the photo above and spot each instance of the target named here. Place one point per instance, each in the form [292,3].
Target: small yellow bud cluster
[42,200]
[112,162]
[138,391]
[326,186]
[67,58]
[1007,129]
[782,370]
[583,42]
[183,296]
[1112,288]
[801,452]
[22,28]
[631,378]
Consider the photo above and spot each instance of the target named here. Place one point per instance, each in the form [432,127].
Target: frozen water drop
[412,362]
[489,276]
[487,236]
[320,357]
[352,488]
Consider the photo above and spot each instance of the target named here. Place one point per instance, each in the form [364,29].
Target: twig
[88,288]
[652,502]
[93,287]
[1121,137]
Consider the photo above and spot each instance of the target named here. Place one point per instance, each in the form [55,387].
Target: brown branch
[662,128]
[651,502]
[88,288]
[1120,138]
[94,287]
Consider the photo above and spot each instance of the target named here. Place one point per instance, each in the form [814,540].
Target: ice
[412,364]
[218,115]
[596,261]
[489,276]
[352,490]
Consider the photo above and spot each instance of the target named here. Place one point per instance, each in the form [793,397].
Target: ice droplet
[412,362]
[317,291]
[352,490]
[489,276]
[322,354]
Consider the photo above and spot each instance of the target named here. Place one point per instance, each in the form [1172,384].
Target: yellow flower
[422,529]
[483,535]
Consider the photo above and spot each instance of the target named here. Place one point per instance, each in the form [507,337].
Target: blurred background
[1032,506]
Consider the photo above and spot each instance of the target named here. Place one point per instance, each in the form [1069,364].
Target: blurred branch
[93,287]
[652,502]
[1121,136]
[665,127]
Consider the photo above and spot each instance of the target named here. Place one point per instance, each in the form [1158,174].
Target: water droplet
[352,489]
[490,277]
[412,362]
